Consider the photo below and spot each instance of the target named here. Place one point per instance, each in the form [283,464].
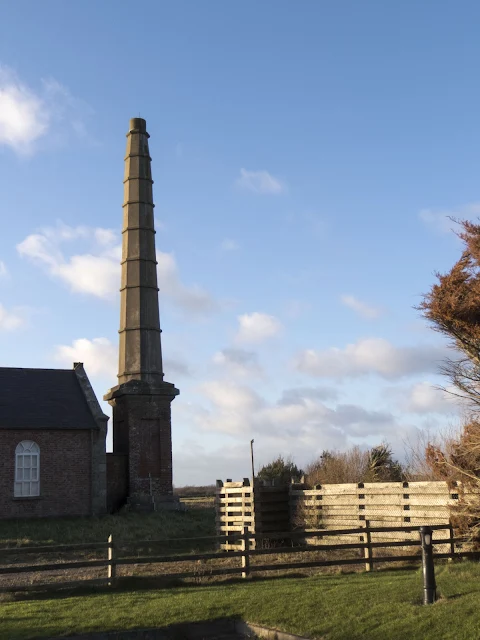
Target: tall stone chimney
[141,400]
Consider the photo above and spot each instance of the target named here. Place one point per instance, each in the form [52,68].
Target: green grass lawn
[198,520]
[379,605]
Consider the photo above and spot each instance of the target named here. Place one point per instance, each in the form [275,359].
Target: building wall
[117,480]
[99,470]
[65,474]
[98,444]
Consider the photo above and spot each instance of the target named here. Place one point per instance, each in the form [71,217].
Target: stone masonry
[141,400]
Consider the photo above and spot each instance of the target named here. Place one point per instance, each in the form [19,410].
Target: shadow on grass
[408,567]
[131,583]
[149,583]
[228,628]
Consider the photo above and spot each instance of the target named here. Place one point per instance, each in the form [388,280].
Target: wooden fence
[235,511]
[382,504]
[332,506]
[260,508]
[367,554]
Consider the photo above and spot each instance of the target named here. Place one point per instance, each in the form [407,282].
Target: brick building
[52,444]
[53,459]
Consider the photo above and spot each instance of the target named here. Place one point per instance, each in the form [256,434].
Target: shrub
[355,465]
[280,471]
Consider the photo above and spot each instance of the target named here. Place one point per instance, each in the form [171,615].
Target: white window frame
[27,470]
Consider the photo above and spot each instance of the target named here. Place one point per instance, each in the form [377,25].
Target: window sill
[27,498]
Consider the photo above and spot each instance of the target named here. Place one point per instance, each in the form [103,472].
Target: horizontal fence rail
[269,509]
[365,546]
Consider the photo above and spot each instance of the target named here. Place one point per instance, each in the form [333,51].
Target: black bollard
[429,586]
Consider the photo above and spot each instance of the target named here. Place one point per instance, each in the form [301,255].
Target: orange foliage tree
[453,308]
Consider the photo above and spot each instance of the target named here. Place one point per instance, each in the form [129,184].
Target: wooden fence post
[452,544]
[368,551]
[111,567]
[246,553]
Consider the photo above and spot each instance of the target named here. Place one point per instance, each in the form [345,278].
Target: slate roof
[43,399]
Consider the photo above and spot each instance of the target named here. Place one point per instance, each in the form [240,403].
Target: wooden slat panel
[339,489]
[400,510]
[432,499]
[413,486]
[236,485]
[271,499]
[440,488]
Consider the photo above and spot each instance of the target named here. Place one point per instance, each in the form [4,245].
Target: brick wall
[65,474]
[98,448]
[117,480]
[142,422]
[150,451]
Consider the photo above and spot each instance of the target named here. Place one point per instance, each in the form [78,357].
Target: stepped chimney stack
[141,400]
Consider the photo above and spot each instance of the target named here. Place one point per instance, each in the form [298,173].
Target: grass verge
[198,520]
[384,604]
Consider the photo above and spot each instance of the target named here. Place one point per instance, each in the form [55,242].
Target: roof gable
[43,399]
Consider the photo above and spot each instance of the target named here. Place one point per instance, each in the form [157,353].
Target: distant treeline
[194,492]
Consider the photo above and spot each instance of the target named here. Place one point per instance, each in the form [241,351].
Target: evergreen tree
[280,471]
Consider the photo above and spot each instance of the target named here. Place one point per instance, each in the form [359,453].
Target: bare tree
[458,463]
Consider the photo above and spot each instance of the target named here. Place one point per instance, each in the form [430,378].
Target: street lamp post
[251,452]
[429,586]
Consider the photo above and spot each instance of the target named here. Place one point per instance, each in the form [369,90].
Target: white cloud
[260,182]
[423,398]
[95,275]
[231,403]
[193,464]
[99,356]
[105,237]
[10,320]
[26,116]
[176,367]
[229,245]
[440,219]
[359,422]
[239,411]
[97,272]
[192,299]
[299,395]
[299,423]
[256,327]
[370,355]
[3,270]
[231,396]
[361,308]
[238,362]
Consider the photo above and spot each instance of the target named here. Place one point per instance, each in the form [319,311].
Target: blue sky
[305,157]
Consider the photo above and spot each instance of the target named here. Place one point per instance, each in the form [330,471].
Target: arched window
[27,469]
